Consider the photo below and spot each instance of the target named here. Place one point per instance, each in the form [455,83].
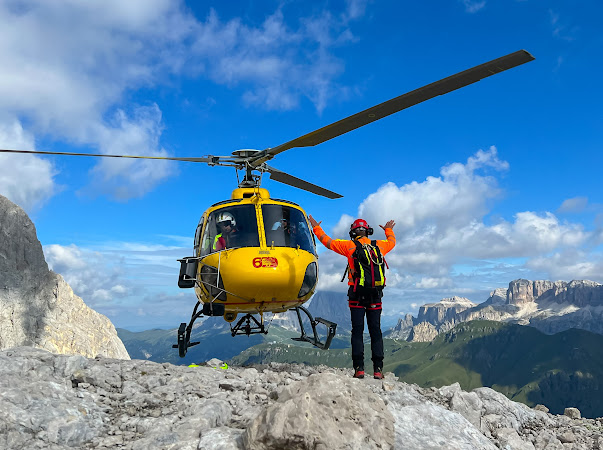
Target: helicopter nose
[283,275]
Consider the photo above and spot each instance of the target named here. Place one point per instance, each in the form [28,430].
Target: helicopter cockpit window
[230,227]
[287,227]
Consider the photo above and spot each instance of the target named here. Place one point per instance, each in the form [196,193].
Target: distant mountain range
[215,339]
[549,306]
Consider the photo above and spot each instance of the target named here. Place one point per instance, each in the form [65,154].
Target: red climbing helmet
[360,224]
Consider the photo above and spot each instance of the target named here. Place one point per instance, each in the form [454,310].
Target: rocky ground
[52,401]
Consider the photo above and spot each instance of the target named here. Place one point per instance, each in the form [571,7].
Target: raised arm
[390,237]
[338,246]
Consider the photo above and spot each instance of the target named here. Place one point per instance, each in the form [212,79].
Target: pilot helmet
[225,218]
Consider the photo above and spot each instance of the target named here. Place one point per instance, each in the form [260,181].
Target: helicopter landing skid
[315,340]
[184,339]
[184,331]
[248,328]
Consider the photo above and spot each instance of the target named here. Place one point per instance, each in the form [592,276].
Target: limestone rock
[580,293]
[37,306]
[445,310]
[323,412]
[574,413]
[541,408]
[497,297]
[402,329]
[422,332]
[54,401]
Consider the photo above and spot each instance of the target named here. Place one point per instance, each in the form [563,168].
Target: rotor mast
[249,180]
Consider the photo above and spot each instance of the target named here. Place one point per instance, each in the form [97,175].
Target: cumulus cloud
[446,202]
[27,180]
[91,275]
[132,283]
[570,264]
[69,67]
[442,224]
[125,178]
[113,271]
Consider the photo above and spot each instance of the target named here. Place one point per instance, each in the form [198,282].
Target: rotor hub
[245,152]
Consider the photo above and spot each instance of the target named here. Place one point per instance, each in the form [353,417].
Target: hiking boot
[359,373]
[378,375]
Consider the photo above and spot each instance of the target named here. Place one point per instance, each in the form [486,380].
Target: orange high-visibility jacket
[347,247]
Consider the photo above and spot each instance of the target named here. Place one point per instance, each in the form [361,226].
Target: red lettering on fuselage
[265,261]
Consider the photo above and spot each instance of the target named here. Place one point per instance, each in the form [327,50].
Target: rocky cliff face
[549,306]
[445,309]
[581,293]
[402,329]
[56,402]
[37,306]
[433,318]
[422,332]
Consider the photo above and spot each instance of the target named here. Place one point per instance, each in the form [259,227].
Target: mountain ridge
[550,306]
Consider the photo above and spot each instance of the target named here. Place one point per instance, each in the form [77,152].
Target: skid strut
[314,339]
[184,333]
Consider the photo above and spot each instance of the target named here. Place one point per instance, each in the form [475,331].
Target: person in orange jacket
[369,302]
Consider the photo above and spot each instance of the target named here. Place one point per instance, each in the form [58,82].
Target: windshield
[230,227]
[287,227]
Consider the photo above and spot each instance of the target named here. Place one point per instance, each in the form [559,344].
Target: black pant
[373,320]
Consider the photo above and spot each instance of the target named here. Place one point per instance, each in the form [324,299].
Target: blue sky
[496,181]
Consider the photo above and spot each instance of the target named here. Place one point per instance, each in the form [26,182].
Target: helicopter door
[198,234]
[230,227]
[287,227]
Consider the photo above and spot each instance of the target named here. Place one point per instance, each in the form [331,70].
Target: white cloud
[69,66]
[27,180]
[442,222]
[446,202]
[94,277]
[431,283]
[561,30]
[125,178]
[279,63]
[115,270]
[570,264]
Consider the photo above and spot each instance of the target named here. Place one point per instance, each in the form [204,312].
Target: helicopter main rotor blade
[205,160]
[285,178]
[394,105]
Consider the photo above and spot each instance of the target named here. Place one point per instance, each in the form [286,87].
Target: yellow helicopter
[254,254]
